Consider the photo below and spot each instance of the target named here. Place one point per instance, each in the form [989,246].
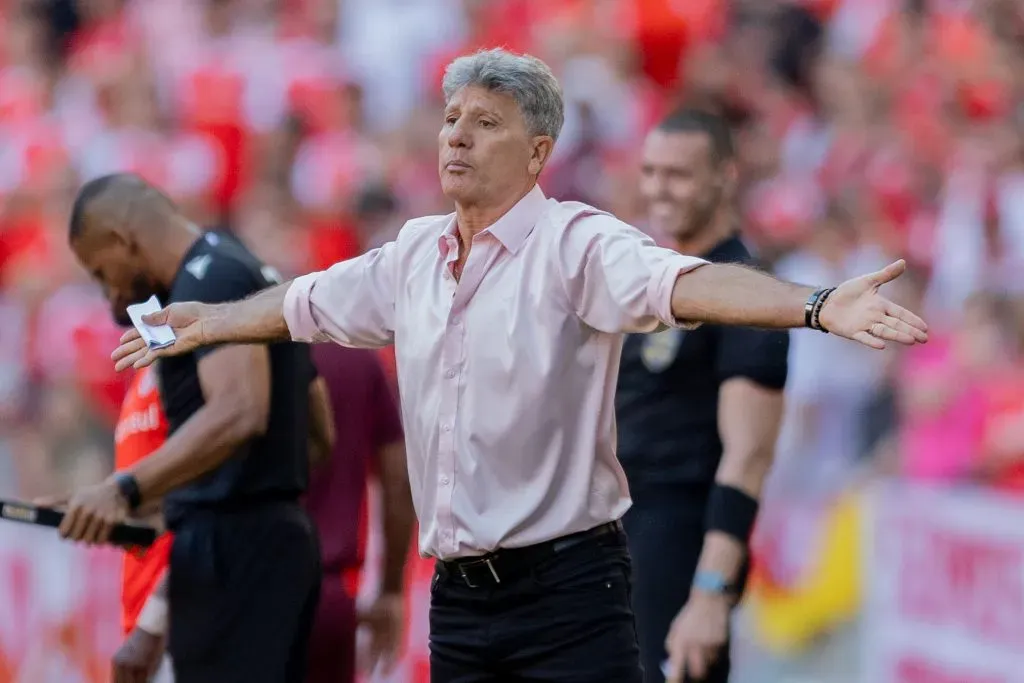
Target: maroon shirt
[366,419]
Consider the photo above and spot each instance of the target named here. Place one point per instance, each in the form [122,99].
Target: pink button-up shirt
[507,377]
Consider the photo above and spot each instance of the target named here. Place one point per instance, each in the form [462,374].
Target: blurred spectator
[376,215]
[1001,448]
[942,395]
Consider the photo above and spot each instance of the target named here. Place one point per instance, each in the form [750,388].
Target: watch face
[129,490]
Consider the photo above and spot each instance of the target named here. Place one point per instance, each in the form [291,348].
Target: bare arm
[729,294]
[236,387]
[258,319]
[618,280]
[736,295]
[321,423]
[748,422]
[399,517]
[749,417]
[153,617]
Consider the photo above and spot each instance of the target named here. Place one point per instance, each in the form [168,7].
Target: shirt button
[449,374]
[456,321]
[447,275]
[446,428]
[444,481]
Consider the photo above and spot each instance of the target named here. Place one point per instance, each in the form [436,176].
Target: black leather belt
[508,563]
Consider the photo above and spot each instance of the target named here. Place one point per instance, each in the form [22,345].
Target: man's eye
[486,124]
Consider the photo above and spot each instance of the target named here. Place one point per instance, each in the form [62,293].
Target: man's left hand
[385,619]
[91,513]
[857,311]
[697,637]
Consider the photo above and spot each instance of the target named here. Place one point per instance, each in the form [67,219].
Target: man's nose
[656,186]
[459,136]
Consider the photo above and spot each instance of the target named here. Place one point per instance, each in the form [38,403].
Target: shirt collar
[512,229]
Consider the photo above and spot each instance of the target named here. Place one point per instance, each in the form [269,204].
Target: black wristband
[812,308]
[809,306]
[128,486]
[732,512]
[816,318]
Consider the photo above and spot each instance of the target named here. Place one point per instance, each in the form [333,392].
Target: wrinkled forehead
[477,100]
[678,149]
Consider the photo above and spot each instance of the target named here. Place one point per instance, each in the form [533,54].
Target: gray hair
[527,79]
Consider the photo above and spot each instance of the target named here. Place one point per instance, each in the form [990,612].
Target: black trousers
[243,594]
[665,528]
[565,618]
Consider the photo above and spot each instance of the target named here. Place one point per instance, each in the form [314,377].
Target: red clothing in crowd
[1004,417]
[366,418]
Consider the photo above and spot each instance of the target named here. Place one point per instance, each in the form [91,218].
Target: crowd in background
[866,130]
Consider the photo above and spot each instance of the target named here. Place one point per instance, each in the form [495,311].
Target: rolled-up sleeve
[351,303]
[616,277]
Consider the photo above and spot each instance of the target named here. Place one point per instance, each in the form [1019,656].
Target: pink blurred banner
[944,593]
[59,609]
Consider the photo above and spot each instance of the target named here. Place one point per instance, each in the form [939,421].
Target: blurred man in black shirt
[698,414]
[244,571]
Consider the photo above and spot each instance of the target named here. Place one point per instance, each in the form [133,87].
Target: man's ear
[540,153]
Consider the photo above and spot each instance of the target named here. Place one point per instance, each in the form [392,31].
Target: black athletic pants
[665,528]
[243,593]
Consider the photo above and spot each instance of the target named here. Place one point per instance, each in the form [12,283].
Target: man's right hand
[138,659]
[189,320]
[698,634]
[386,621]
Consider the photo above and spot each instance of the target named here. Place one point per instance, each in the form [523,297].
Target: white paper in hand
[155,336]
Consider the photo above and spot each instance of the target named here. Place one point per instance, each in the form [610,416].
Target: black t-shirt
[667,397]
[271,466]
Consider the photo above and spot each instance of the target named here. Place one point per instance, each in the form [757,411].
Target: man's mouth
[457,166]
[662,210]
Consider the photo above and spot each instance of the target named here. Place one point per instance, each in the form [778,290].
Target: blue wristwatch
[711,582]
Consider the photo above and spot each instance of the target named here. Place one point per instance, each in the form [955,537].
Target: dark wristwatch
[128,487]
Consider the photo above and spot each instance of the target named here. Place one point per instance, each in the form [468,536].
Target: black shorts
[243,592]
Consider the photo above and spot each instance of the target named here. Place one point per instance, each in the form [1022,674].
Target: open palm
[856,310]
[188,321]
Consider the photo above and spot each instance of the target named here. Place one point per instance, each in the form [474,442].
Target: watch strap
[128,486]
[708,581]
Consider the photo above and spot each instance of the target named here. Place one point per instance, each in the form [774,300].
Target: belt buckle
[490,566]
